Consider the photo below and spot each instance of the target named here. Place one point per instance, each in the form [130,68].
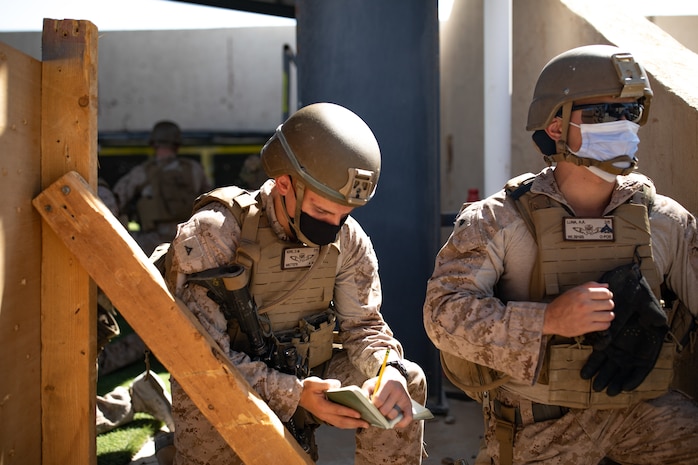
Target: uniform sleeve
[129,186]
[203,184]
[108,198]
[463,313]
[208,240]
[675,249]
[357,295]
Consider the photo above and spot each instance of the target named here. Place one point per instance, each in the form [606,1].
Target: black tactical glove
[624,356]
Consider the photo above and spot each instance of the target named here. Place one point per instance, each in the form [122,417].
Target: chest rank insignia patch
[588,229]
[299,257]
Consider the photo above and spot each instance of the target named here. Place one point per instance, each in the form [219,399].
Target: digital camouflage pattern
[477,307]
[201,444]
[209,240]
[659,431]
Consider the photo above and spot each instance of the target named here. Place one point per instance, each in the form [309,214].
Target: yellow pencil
[380,373]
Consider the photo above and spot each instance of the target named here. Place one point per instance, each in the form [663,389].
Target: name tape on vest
[299,257]
[588,229]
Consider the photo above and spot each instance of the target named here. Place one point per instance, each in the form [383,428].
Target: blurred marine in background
[159,193]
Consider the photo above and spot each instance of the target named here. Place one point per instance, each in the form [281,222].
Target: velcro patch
[588,229]
[190,248]
[299,257]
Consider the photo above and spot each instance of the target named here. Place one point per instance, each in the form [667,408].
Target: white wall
[212,80]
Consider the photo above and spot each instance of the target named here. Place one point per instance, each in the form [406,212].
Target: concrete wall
[682,28]
[213,80]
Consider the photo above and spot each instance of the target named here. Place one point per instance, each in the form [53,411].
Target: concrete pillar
[497,91]
[381,60]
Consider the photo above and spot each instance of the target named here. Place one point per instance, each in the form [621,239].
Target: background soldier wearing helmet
[162,189]
[544,301]
[310,269]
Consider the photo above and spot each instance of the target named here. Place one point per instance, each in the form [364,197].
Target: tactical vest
[292,284]
[173,190]
[571,251]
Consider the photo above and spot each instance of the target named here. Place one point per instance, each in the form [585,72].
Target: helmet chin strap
[294,223]
[607,166]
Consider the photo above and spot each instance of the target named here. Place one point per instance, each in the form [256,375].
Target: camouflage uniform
[106,195]
[136,184]
[363,333]
[477,307]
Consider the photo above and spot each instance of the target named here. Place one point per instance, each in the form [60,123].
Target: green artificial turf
[119,446]
[124,376]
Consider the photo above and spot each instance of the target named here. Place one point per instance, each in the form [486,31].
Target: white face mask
[606,141]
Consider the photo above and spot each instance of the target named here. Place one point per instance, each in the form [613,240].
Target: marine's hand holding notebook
[353,397]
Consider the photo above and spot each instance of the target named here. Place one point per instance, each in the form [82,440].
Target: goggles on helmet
[594,113]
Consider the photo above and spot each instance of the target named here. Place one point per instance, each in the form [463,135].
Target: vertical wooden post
[168,327]
[20,258]
[68,302]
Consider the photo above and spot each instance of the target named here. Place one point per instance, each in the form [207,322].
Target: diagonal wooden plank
[114,260]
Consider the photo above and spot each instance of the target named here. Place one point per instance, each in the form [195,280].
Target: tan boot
[165,449]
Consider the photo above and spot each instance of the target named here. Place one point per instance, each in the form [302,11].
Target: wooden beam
[114,260]
[20,258]
[68,297]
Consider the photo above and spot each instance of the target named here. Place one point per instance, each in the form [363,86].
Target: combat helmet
[166,133]
[581,73]
[328,149]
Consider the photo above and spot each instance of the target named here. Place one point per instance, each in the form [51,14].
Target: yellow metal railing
[206,153]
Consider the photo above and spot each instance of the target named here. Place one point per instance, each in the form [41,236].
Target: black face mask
[319,232]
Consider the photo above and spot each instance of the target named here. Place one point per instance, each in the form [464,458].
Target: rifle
[228,287]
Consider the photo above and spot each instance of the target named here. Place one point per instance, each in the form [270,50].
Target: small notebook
[354,397]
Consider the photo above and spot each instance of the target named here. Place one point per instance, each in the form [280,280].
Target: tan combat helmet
[328,149]
[581,73]
[166,133]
